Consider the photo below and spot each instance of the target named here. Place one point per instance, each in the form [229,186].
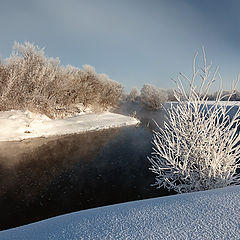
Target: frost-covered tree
[198,147]
[170,95]
[153,97]
[237,95]
[133,94]
[30,79]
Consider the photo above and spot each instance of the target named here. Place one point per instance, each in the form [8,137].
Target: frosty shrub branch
[29,80]
[198,147]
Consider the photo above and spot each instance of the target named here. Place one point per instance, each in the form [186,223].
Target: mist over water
[41,178]
[147,116]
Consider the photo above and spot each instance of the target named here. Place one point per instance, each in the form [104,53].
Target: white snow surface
[18,125]
[230,103]
[212,214]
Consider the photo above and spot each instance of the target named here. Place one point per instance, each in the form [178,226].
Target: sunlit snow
[18,125]
[212,214]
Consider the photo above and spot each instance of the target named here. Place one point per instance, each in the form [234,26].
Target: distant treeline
[154,98]
[151,96]
[225,95]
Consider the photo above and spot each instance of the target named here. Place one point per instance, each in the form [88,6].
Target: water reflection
[41,178]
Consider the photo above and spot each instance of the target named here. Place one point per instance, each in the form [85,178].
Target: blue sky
[132,41]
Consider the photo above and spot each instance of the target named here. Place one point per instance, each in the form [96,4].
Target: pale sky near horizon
[133,41]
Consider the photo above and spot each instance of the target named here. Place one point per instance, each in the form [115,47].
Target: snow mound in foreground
[18,125]
[212,214]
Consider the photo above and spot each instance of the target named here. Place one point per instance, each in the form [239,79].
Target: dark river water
[41,178]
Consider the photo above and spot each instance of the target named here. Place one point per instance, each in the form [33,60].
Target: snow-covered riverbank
[19,125]
[210,214]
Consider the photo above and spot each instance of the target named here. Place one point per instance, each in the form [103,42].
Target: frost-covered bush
[153,97]
[198,147]
[30,80]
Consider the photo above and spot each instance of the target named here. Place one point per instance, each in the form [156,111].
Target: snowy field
[230,103]
[18,125]
[212,214]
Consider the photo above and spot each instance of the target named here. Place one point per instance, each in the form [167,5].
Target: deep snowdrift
[18,125]
[210,214]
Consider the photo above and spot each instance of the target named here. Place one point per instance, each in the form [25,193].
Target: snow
[212,214]
[19,125]
[229,103]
